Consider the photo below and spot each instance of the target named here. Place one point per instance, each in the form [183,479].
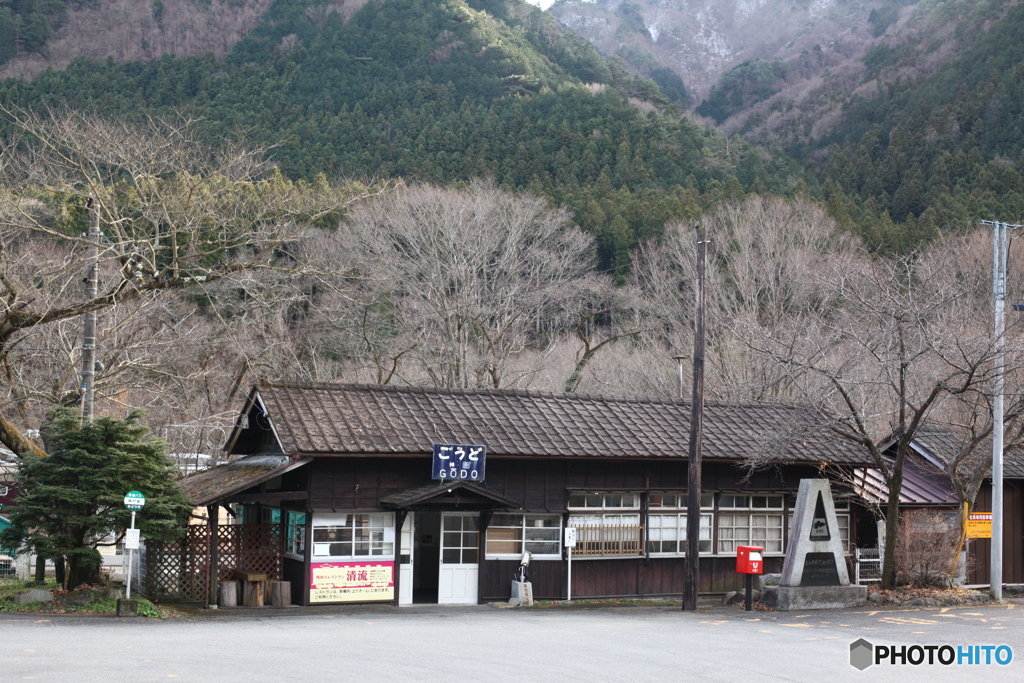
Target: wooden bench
[254,586]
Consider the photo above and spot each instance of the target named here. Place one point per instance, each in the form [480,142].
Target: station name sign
[458,462]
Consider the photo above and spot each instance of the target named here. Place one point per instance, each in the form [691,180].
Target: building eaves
[221,482]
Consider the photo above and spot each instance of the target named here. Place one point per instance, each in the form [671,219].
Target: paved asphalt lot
[491,645]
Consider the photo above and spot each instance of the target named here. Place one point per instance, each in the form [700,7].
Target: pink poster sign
[351,581]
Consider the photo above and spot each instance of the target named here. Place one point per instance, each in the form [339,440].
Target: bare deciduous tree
[173,213]
[471,272]
[901,337]
[765,259]
[927,550]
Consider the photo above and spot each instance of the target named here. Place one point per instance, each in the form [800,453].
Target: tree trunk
[59,573]
[12,437]
[892,518]
[83,568]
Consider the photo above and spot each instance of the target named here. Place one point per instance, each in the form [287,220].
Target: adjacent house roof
[940,445]
[217,483]
[921,487]
[325,419]
[925,481]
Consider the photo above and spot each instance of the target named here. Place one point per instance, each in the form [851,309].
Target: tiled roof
[944,444]
[368,419]
[221,481]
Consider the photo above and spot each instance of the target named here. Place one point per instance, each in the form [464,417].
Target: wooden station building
[341,476]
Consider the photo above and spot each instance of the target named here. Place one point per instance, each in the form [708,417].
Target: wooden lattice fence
[180,569]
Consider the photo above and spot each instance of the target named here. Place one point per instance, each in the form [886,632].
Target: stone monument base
[788,598]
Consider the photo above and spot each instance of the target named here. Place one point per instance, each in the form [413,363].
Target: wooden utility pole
[693,465]
[213,566]
[92,279]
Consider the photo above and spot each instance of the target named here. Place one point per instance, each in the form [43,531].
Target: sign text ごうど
[351,581]
[458,461]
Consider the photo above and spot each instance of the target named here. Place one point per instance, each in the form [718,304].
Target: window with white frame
[750,520]
[508,535]
[607,524]
[354,536]
[666,532]
[460,543]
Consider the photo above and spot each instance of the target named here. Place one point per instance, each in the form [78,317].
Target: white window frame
[672,506]
[611,511]
[751,505]
[466,535]
[524,527]
[381,523]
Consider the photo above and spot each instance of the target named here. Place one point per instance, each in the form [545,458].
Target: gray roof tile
[371,419]
[945,444]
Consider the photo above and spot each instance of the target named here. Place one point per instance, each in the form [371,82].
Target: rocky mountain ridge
[702,39]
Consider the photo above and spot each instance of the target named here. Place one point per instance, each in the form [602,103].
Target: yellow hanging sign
[979,525]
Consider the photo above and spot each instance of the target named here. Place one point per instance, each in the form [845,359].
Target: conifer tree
[71,501]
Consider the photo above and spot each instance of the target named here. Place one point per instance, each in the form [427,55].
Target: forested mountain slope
[40,34]
[904,121]
[441,91]
[905,113]
[940,149]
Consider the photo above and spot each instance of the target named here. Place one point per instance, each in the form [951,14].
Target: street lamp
[679,371]
[1000,246]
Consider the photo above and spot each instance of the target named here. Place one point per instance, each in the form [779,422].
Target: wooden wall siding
[540,485]
[1013,536]
[360,483]
[614,578]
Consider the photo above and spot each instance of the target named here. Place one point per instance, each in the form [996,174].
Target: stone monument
[814,574]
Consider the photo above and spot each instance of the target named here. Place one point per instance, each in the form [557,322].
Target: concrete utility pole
[1000,247]
[693,464]
[92,278]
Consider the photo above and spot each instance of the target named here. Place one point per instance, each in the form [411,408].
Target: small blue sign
[458,461]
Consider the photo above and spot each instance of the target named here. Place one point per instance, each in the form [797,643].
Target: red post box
[749,559]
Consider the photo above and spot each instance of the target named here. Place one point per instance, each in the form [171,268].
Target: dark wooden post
[693,464]
[213,519]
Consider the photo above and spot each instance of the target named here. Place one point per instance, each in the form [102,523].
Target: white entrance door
[405,560]
[460,547]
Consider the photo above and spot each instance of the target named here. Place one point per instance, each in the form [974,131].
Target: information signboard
[979,525]
[458,461]
[351,581]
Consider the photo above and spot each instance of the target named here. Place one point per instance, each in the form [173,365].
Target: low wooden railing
[608,541]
